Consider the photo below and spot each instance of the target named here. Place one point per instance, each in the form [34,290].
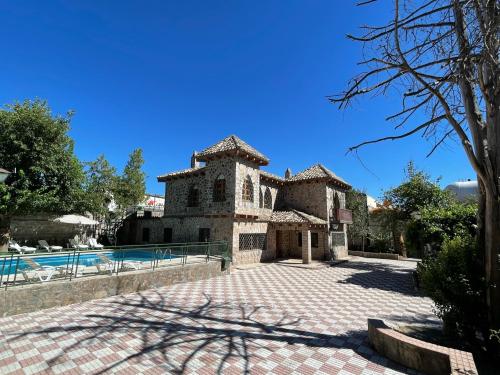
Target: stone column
[306,246]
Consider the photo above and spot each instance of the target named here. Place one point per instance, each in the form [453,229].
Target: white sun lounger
[15,247]
[76,245]
[45,273]
[108,265]
[105,264]
[45,246]
[94,244]
[42,273]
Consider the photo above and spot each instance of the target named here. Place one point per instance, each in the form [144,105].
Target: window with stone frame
[314,239]
[261,199]
[268,199]
[247,191]
[193,196]
[219,193]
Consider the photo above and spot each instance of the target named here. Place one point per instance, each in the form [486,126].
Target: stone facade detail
[262,216]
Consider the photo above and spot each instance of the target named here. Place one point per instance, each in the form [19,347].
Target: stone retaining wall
[417,354]
[23,299]
[27,230]
[366,254]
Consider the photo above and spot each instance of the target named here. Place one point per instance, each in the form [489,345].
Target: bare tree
[443,58]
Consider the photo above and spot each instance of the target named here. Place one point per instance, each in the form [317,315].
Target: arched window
[336,201]
[193,196]
[261,199]
[268,199]
[247,191]
[219,194]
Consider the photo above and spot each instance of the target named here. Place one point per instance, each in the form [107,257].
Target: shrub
[455,282]
[434,224]
[380,243]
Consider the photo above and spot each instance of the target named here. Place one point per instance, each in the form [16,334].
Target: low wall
[28,298]
[417,354]
[367,254]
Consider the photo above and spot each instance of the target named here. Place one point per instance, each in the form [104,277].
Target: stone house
[262,216]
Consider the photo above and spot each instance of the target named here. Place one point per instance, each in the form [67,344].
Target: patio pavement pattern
[276,318]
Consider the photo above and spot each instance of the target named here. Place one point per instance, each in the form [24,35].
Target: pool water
[86,259]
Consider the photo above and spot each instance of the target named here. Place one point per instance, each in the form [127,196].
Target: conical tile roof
[232,144]
[315,172]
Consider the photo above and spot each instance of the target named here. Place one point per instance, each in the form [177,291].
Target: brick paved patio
[277,318]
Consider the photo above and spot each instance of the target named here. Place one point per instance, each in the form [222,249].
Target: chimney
[288,173]
[194,162]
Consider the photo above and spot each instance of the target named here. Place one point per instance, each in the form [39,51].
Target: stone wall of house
[330,198]
[235,171]
[275,192]
[184,229]
[252,255]
[245,169]
[176,193]
[309,197]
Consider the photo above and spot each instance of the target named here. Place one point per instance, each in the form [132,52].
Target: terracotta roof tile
[183,172]
[271,176]
[295,216]
[232,143]
[316,171]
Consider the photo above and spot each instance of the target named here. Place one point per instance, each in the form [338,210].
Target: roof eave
[220,154]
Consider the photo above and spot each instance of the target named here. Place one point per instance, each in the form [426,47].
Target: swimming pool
[86,259]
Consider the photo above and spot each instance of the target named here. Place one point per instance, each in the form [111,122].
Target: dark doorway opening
[167,235]
[145,234]
[204,235]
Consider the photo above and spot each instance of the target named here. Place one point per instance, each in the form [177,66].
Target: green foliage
[381,242]
[356,202]
[414,196]
[100,183]
[455,282]
[416,193]
[131,186]
[435,224]
[35,143]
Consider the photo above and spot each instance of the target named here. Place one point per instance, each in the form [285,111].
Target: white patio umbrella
[76,220]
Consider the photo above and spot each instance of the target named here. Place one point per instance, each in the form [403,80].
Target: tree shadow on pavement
[180,338]
[388,277]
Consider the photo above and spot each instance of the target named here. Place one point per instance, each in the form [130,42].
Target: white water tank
[464,190]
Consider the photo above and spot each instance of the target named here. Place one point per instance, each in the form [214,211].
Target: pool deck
[274,319]
[63,272]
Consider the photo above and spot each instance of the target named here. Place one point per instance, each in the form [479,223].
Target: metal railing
[67,264]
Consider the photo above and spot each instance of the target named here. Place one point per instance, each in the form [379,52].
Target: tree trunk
[489,237]
[4,232]
[397,238]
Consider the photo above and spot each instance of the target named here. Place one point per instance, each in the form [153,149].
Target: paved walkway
[276,318]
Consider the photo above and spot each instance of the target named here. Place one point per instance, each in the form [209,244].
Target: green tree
[100,184]
[356,202]
[131,185]
[415,193]
[48,177]
[435,224]
[403,202]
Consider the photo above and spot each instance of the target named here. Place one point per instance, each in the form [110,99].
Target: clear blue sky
[176,76]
